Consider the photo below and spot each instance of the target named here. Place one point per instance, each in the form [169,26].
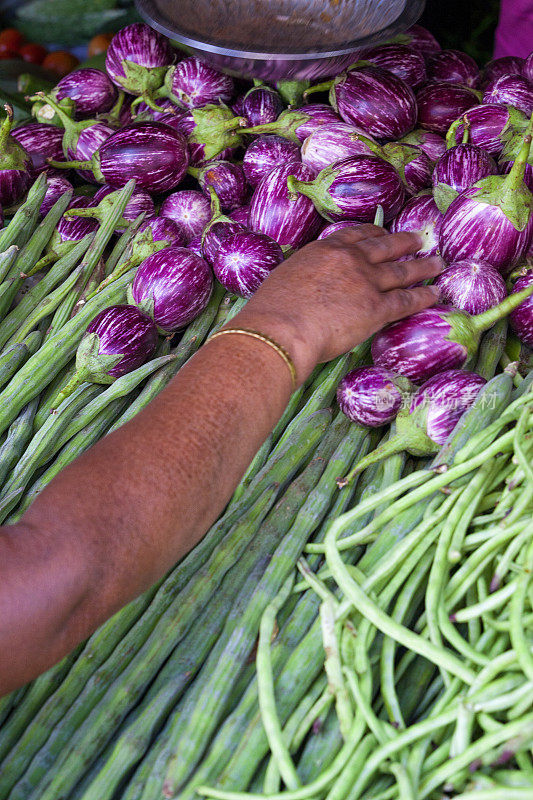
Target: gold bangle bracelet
[267,340]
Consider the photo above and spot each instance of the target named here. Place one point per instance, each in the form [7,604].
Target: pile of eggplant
[231,178]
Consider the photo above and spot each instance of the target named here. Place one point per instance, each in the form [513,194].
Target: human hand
[335,293]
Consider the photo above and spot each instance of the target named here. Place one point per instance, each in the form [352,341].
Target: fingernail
[435,290]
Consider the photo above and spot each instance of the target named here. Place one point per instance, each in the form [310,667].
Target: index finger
[390,248]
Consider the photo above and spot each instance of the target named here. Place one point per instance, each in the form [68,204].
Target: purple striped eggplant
[489,127]
[521,318]
[74,228]
[431,143]
[193,84]
[297,124]
[15,164]
[241,214]
[41,142]
[191,211]
[172,287]
[91,91]
[511,90]
[440,103]
[353,189]
[493,220]
[527,68]
[337,226]
[507,65]
[372,396]
[419,38]
[374,100]
[424,425]
[195,245]
[89,142]
[212,132]
[137,60]
[458,169]
[332,143]
[164,229]
[140,202]
[411,163]
[228,181]
[261,105]
[218,228]
[118,340]
[436,339]
[453,66]
[471,286]
[56,186]
[290,220]
[403,61]
[151,153]
[264,154]
[244,260]
[421,215]
[509,155]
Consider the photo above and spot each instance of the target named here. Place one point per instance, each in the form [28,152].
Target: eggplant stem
[319,87]
[7,124]
[70,164]
[393,445]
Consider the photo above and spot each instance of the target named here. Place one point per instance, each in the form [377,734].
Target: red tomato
[11,38]
[60,62]
[99,44]
[7,52]
[33,53]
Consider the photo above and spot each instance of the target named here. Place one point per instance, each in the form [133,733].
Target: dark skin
[116,519]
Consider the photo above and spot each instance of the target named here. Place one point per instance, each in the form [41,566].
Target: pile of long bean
[374,641]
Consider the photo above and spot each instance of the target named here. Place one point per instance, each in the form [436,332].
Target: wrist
[285,333]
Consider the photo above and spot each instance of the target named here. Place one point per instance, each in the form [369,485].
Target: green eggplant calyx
[317,190]
[292,92]
[12,154]
[463,332]
[93,365]
[444,195]
[141,80]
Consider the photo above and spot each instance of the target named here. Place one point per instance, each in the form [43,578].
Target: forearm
[118,518]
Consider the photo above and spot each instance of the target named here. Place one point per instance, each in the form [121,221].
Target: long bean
[7,259]
[26,217]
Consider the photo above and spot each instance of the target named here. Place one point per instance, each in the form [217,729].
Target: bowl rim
[410,14]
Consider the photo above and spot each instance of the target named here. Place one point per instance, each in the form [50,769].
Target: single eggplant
[521,318]
[419,38]
[291,220]
[509,155]
[241,214]
[193,84]
[118,340]
[436,339]
[507,65]
[458,169]
[372,396]
[244,260]
[403,61]
[264,154]
[453,66]
[189,209]
[511,90]
[151,153]
[332,143]
[297,124]
[218,228]
[140,202]
[261,105]
[56,186]
[431,143]
[228,181]
[440,103]
[91,91]
[172,287]
[137,60]
[353,189]
[15,164]
[426,423]
[337,226]
[421,215]
[374,100]
[212,132]
[489,127]
[41,142]
[471,286]
[493,220]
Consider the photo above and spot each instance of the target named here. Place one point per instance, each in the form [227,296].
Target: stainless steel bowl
[280,39]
